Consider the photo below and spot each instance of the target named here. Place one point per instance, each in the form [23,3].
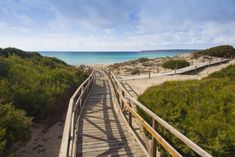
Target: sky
[116,25]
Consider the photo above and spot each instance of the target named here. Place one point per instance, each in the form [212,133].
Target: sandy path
[43,143]
[199,65]
[141,85]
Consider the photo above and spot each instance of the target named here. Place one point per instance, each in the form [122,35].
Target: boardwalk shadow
[99,123]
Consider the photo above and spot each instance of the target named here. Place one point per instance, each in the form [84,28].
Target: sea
[99,57]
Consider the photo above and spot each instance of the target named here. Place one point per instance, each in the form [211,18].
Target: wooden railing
[127,103]
[68,142]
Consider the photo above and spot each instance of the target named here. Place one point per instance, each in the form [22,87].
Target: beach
[140,85]
[126,70]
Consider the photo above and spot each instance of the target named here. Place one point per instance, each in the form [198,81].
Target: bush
[2,140]
[135,71]
[175,64]
[141,60]
[38,85]
[228,72]
[4,67]
[147,64]
[17,52]
[39,88]
[203,110]
[219,51]
[14,126]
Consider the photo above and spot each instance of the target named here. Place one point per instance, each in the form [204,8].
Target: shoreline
[140,85]
[110,57]
[125,61]
[187,54]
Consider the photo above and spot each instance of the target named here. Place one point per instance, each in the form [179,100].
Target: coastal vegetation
[14,126]
[175,64]
[226,73]
[203,110]
[32,87]
[225,51]
[143,59]
[133,67]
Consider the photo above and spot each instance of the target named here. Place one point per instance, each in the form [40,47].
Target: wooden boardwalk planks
[101,131]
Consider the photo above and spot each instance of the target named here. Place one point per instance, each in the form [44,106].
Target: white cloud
[116,25]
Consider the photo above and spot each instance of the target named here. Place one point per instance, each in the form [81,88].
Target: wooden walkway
[185,70]
[102,120]
[102,131]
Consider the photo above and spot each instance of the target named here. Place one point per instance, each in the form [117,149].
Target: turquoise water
[74,58]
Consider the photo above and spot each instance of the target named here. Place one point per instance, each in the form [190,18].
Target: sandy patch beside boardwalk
[144,65]
[43,142]
[142,84]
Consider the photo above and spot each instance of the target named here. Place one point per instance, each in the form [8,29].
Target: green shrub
[228,72]
[143,59]
[203,110]
[4,67]
[135,71]
[175,64]
[219,51]
[14,126]
[2,140]
[39,85]
[147,64]
[17,52]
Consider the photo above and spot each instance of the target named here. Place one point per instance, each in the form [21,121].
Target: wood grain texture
[119,89]
[101,131]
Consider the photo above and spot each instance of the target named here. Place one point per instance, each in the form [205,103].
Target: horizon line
[184,49]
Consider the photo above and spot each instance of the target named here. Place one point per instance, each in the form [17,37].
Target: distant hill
[172,50]
[14,51]
[225,51]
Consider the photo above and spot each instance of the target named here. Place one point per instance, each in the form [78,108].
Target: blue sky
[116,24]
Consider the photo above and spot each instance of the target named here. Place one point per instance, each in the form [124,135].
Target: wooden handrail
[158,137]
[123,96]
[68,142]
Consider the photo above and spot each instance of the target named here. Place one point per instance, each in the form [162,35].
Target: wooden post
[123,93]
[118,99]
[80,104]
[149,74]
[153,141]
[122,105]
[176,68]
[130,115]
[195,69]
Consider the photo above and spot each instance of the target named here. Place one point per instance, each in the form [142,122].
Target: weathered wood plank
[101,131]
[67,146]
[124,151]
[119,90]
